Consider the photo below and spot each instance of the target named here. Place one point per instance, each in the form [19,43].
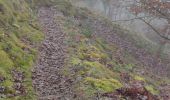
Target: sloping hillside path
[48,81]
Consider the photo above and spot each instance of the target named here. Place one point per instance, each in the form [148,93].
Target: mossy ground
[91,59]
[92,62]
[19,39]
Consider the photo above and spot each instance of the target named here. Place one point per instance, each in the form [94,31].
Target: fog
[118,11]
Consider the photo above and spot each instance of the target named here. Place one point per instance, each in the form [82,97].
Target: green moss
[8,83]
[30,34]
[104,46]
[5,64]
[139,78]
[88,52]
[87,32]
[9,86]
[152,90]
[92,60]
[75,61]
[5,61]
[103,84]
[17,38]
[87,57]
[97,70]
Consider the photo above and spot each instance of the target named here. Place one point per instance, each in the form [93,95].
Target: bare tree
[154,8]
[158,8]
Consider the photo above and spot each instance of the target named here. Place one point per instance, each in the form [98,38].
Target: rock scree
[48,80]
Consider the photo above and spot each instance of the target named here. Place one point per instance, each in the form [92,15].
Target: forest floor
[48,79]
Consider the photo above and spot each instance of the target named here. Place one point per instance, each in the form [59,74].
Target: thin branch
[155,30]
[154,8]
[132,19]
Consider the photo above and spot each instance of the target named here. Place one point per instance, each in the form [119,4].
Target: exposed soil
[48,81]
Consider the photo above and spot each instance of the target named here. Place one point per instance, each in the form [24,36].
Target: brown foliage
[133,92]
[155,7]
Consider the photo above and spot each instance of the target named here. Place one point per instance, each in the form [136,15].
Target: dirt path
[48,80]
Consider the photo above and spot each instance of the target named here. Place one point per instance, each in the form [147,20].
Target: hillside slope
[19,39]
[82,57]
[101,59]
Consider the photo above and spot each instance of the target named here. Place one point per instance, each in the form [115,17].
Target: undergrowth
[92,63]
[19,39]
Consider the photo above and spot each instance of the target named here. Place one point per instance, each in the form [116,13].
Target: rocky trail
[48,81]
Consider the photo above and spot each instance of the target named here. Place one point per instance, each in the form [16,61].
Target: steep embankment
[19,39]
